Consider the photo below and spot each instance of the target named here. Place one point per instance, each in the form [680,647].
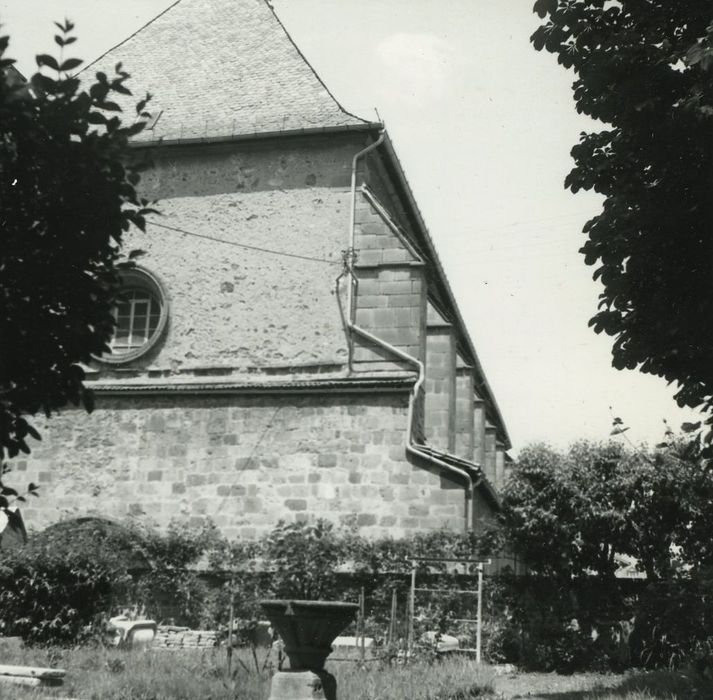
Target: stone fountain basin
[308,628]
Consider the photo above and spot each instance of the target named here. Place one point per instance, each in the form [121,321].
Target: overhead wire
[486,250]
[244,245]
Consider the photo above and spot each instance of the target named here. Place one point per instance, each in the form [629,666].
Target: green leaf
[690,427]
[109,106]
[33,432]
[543,7]
[538,38]
[45,59]
[96,118]
[71,64]
[117,86]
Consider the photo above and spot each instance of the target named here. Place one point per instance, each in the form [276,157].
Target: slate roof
[221,68]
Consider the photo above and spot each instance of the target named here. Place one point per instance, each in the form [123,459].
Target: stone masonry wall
[440,387]
[243,461]
[500,475]
[464,444]
[390,304]
[479,431]
[391,298]
[483,515]
[238,307]
[490,453]
[245,166]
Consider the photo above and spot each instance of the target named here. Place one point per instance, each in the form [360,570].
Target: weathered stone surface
[283,311]
[303,685]
[440,387]
[298,462]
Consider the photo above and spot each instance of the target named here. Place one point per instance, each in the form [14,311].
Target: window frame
[140,279]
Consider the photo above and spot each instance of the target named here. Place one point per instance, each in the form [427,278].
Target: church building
[288,346]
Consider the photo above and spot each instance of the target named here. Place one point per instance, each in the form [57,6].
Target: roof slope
[219,68]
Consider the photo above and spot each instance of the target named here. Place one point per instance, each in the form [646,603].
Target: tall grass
[109,674]
[449,679]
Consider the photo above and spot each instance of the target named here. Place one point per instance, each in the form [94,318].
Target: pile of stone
[173,637]
[31,675]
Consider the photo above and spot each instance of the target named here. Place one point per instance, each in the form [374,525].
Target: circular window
[141,313]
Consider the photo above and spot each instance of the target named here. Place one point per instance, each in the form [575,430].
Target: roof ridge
[131,36]
[309,65]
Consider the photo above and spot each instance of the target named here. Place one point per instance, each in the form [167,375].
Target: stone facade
[308,368]
[242,461]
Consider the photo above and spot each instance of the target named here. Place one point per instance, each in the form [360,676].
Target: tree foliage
[67,196]
[645,69]
[577,513]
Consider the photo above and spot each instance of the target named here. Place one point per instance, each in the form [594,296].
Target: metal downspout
[412,447]
[352,215]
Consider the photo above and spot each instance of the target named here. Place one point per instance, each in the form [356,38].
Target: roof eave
[336,385]
[256,135]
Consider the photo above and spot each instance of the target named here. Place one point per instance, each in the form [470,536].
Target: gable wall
[249,166]
[238,308]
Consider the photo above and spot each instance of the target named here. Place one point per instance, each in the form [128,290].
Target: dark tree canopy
[67,196]
[645,69]
[574,514]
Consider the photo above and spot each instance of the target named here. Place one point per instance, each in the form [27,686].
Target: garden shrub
[674,624]
[57,595]
[67,577]
[545,624]
[171,587]
[304,558]
[75,574]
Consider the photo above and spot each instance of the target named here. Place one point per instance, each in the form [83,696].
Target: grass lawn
[659,685]
[109,674]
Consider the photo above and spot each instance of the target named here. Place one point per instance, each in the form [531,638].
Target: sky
[483,125]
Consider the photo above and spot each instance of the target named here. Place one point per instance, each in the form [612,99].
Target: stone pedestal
[308,628]
[303,685]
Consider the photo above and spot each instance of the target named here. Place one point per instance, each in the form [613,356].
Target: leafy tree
[645,69]
[67,196]
[571,514]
